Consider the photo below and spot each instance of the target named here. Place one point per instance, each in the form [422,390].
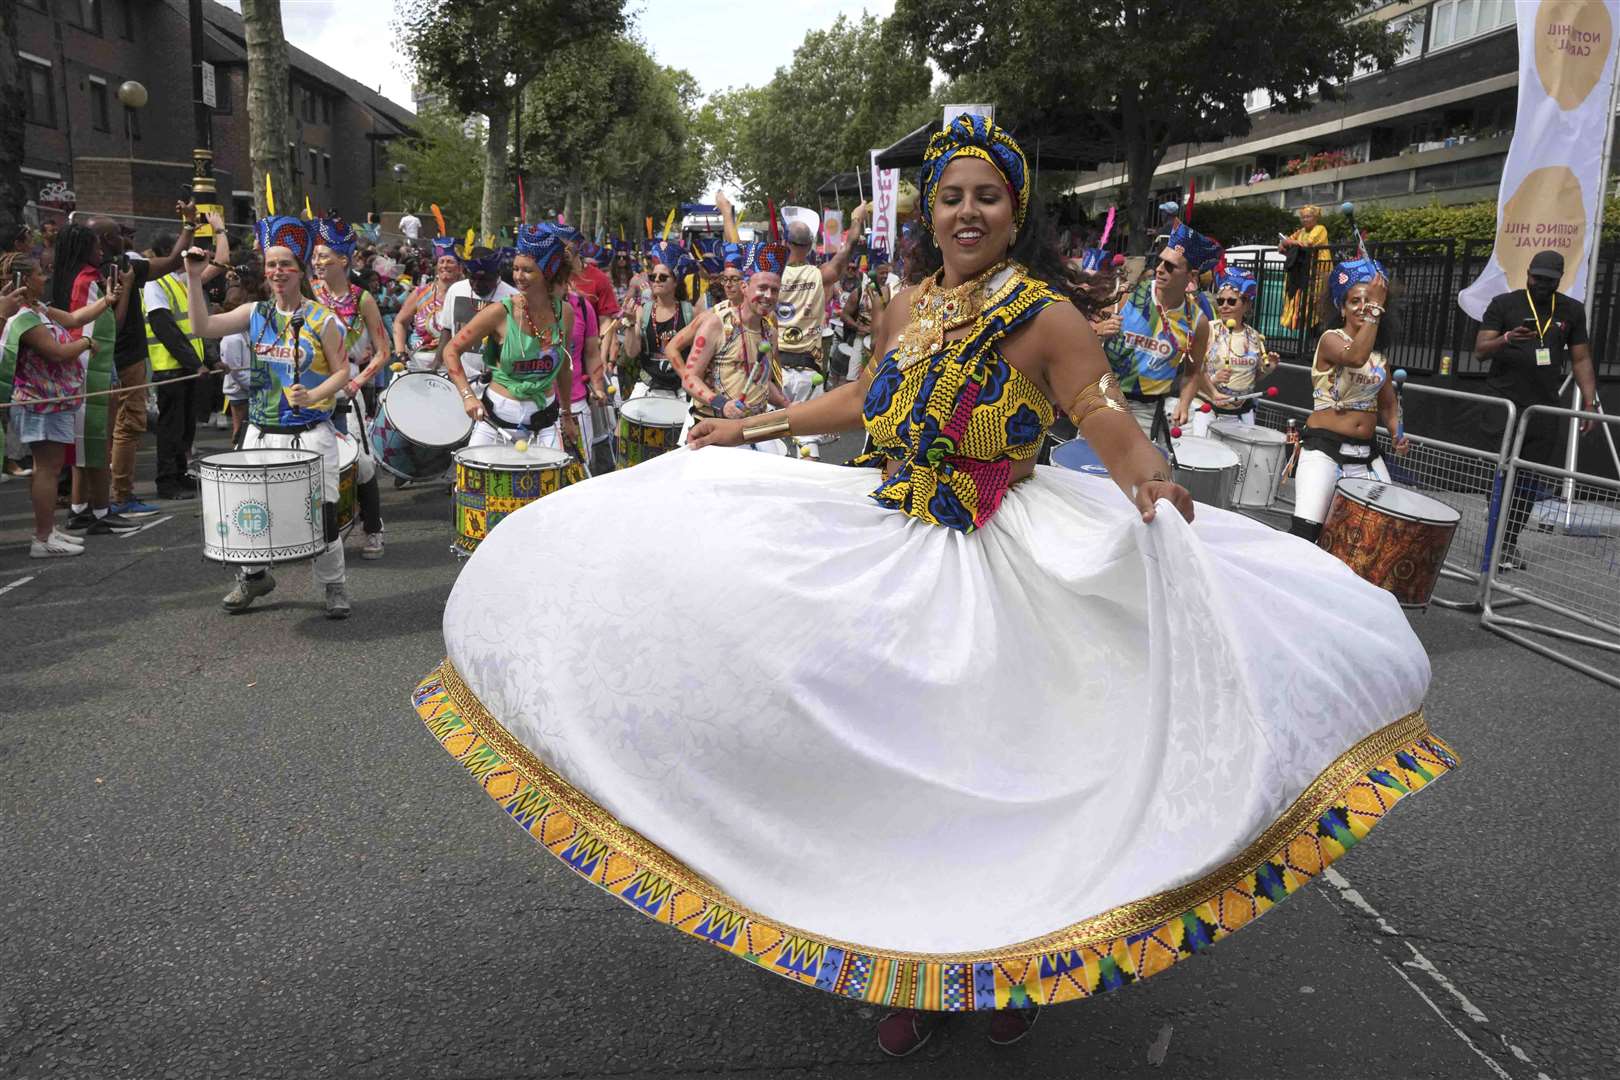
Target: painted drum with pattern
[649,426]
[1391,536]
[494,481]
[348,481]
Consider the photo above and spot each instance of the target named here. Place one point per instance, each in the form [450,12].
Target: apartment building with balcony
[1435,127]
[76,53]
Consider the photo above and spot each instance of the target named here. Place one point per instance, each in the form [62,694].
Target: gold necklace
[936,311]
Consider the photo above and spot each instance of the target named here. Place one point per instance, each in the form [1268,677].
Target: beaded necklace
[936,311]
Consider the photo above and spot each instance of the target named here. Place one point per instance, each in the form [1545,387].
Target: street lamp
[132,95]
[399,185]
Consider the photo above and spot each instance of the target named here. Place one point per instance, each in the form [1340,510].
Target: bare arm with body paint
[489,322]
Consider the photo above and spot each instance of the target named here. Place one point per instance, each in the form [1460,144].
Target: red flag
[1192,194]
[523,202]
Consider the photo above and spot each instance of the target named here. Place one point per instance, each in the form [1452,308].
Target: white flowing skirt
[870,729]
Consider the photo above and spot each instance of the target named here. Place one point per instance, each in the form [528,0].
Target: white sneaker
[52,549]
[67,538]
[374,546]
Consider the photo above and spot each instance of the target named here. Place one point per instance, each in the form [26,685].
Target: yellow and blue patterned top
[957,420]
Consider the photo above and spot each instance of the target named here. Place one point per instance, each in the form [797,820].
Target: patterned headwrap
[1095,260]
[1312,209]
[280,230]
[335,233]
[1241,280]
[485,264]
[732,255]
[974,136]
[1202,252]
[711,259]
[765,259]
[444,245]
[546,244]
[671,254]
[1347,275]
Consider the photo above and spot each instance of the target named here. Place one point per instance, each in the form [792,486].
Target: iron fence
[1429,325]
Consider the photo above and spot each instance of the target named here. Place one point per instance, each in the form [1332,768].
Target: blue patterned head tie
[546,244]
[333,232]
[569,234]
[284,231]
[766,259]
[974,136]
[485,264]
[1202,252]
[1347,275]
[444,245]
[671,254]
[1095,260]
[733,256]
[711,260]
[1241,280]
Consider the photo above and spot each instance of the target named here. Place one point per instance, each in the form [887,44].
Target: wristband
[718,404]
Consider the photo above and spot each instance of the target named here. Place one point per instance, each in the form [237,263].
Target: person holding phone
[1533,337]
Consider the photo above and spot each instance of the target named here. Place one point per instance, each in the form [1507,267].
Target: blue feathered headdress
[1202,253]
[671,254]
[1095,260]
[1241,280]
[333,232]
[445,245]
[546,244]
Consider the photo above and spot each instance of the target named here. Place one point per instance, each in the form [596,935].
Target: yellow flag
[489,241]
[269,197]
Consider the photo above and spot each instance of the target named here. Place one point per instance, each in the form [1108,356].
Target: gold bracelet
[1104,394]
[771,426]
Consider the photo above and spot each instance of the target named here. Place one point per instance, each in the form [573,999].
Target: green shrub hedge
[1235,224]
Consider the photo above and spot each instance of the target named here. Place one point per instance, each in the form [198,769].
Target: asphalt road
[230,849]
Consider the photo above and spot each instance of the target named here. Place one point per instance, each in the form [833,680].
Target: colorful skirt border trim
[1103,952]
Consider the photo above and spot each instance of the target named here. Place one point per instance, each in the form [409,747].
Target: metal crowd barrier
[1571,551]
[1466,478]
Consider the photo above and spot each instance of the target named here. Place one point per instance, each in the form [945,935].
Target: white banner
[1551,197]
[885,186]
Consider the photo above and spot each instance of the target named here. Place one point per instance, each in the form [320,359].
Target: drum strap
[542,419]
[1332,444]
[284,429]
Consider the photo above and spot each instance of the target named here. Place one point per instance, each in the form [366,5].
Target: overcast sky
[706,37]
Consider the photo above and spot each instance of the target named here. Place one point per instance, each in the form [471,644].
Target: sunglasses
[1228,301]
[661,277]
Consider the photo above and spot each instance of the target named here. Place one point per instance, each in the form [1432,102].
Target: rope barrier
[114,390]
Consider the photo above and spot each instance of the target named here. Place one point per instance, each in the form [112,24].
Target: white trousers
[800,384]
[514,411]
[322,438]
[1315,477]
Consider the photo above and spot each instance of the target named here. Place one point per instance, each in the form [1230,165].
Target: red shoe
[1010,1025]
[904,1032]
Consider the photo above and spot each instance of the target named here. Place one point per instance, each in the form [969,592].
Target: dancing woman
[532,330]
[962,742]
[651,326]
[1351,392]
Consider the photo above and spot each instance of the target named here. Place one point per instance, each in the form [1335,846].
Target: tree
[1148,73]
[481,54]
[266,101]
[435,160]
[606,125]
[13,116]
[848,89]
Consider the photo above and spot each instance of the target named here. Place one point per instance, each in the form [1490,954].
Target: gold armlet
[1104,394]
[770,426]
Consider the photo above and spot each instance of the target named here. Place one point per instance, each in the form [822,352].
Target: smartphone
[16,279]
[1530,324]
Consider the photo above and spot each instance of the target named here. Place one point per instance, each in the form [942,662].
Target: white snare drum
[649,426]
[420,422]
[1206,469]
[261,506]
[1261,453]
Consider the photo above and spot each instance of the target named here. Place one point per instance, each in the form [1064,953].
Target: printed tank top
[527,368]
[1147,351]
[958,419]
[428,303]
[1234,358]
[1352,388]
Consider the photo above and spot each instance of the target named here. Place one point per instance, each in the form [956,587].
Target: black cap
[1547,264]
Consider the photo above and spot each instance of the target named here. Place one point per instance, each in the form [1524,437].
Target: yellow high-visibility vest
[157,355]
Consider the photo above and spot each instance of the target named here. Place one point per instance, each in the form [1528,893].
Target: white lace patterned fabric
[888,732]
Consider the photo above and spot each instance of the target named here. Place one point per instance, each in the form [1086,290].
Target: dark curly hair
[1037,248]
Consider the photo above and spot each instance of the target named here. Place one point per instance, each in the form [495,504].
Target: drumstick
[1270,391]
[1400,413]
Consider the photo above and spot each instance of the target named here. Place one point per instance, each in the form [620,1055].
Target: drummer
[295,369]
[652,324]
[729,373]
[1237,357]
[416,316]
[1351,393]
[533,328]
[481,287]
[358,315]
[733,258]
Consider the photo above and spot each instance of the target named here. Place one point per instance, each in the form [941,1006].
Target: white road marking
[148,525]
[1422,963]
[14,584]
[1161,1046]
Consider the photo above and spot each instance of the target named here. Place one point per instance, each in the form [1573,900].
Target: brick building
[76,53]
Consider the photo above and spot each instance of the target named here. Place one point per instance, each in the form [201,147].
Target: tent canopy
[1078,148]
